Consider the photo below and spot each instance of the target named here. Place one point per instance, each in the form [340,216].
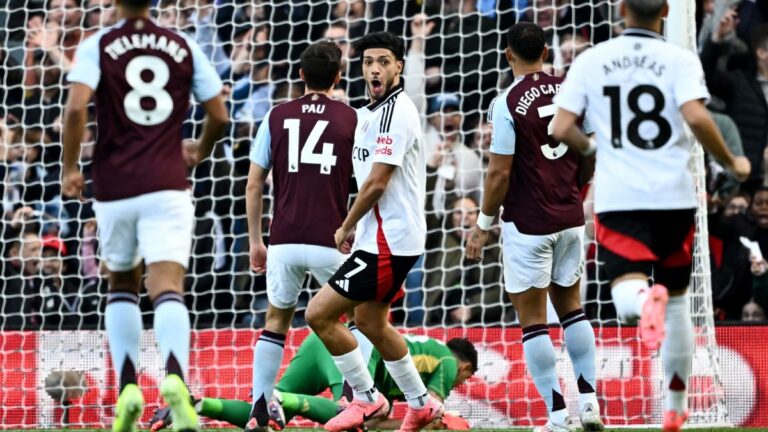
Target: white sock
[172,332]
[407,377]
[366,347]
[540,359]
[629,297]
[123,323]
[355,372]
[677,352]
[579,338]
[267,357]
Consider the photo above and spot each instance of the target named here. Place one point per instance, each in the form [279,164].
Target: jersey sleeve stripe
[386,116]
[383,119]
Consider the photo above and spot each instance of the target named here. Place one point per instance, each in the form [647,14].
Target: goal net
[54,362]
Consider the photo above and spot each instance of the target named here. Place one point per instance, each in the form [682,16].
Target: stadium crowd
[51,275]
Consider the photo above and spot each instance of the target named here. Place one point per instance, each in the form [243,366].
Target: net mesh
[52,279]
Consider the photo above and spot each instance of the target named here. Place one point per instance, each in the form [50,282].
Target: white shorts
[536,261]
[156,226]
[288,264]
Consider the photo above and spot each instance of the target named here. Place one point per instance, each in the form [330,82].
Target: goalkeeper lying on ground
[312,370]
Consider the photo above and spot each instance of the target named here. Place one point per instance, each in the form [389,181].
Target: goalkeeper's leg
[237,413]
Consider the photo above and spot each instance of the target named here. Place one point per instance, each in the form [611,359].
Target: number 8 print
[154,89]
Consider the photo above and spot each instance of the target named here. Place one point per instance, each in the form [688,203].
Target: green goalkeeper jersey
[434,361]
[312,370]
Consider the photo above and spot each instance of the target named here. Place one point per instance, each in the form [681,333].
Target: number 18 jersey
[143,76]
[633,87]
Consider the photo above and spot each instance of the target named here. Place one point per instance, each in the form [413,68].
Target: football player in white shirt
[640,91]
[390,168]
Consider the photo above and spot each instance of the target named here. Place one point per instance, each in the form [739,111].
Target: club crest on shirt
[535,77]
[315,97]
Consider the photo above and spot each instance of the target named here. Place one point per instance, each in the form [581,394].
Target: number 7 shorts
[370,277]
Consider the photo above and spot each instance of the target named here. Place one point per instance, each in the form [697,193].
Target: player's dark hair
[136,4]
[527,40]
[760,37]
[381,40]
[645,10]
[321,63]
[463,350]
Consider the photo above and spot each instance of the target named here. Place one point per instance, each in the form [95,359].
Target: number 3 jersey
[632,88]
[543,195]
[307,143]
[143,75]
[389,132]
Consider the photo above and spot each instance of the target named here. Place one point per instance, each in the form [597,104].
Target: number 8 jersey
[143,76]
[633,87]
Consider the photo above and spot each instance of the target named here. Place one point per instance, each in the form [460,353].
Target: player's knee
[625,296]
[316,320]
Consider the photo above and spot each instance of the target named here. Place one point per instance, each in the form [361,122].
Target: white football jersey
[632,88]
[389,131]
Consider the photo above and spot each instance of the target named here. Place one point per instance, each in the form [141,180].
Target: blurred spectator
[571,46]
[21,280]
[559,18]
[736,205]
[458,292]
[752,312]
[481,141]
[65,300]
[467,54]
[58,34]
[457,169]
[170,15]
[745,92]
[100,14]
[352,81]
[722,182]
[204,27]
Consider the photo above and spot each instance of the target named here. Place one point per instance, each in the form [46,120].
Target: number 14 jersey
[307,143]
[633,87]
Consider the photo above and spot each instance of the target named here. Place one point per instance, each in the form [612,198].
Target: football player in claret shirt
[639,91]
[307,145]
[143,77]
[537,179]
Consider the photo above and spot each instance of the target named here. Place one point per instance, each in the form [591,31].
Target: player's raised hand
[475,244]
[258,257]
[72,184]
[741,168]
[420,27]
[726,26]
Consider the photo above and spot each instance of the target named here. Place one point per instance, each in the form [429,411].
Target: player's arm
[690,92]
[75,119]
[261,162]
[497,176]
[565,129]
[215,123]
[368,195]
[705,130]
[84,76]
[207,89]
